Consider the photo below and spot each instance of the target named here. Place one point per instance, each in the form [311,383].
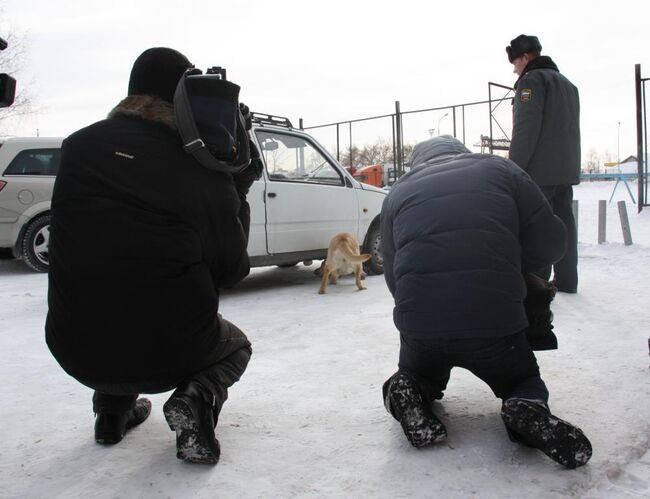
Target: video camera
[7,83]
[213,125]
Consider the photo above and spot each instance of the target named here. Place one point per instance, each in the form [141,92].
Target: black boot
[110,427]
[535,426]
[405,402]
[190,412]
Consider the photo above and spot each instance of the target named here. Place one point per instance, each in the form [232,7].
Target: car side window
[35,162]
[290,158]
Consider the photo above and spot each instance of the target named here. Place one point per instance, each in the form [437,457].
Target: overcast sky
[336,60]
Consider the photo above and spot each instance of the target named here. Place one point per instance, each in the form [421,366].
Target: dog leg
[324,280]
[357,275]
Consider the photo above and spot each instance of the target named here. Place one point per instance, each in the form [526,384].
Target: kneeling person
[458,232]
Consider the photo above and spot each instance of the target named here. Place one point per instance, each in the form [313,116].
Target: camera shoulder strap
[194,145]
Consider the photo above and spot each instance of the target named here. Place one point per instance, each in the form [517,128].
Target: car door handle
[272,194]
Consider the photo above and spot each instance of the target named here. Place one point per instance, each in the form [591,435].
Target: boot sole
[191,445]
[419,424]
[561,441]
[108,439]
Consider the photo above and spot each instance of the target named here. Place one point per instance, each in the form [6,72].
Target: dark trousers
[565,271]
[507,365]
[223,369]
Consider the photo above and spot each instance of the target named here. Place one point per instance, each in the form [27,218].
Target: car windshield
[291,158]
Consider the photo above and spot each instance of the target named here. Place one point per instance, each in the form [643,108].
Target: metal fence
[483,124]
[478,124]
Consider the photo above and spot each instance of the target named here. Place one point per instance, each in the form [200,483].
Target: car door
[308,198]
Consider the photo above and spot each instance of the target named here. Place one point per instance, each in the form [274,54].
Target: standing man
[546,142]
[143,237]
[457,232]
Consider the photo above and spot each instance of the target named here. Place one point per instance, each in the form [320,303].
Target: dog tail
[351,257]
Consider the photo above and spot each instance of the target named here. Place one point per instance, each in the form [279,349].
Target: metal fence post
[639,139]
[338,148]
[351,162]
[602,221]
[625,224]
[453,114]
[398,135]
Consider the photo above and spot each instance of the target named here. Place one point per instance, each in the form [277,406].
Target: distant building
[628,165]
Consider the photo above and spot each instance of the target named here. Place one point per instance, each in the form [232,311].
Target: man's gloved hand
[246,113]
[245,178]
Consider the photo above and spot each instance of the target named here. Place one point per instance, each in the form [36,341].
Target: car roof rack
[269,119]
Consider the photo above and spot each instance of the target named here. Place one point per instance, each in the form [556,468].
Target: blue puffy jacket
[457,231]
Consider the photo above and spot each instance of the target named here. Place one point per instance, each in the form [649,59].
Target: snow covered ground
[307,419]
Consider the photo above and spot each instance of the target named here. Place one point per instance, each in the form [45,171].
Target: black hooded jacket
[457,231]
[546,125]
[142,239]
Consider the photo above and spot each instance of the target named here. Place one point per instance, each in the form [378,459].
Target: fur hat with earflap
[154,77]
[521,45]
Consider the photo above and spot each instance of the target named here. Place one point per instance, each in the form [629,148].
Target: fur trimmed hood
[146,107]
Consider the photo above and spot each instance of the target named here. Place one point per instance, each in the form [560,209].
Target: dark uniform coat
[142,239]
[457,231]
[546,125]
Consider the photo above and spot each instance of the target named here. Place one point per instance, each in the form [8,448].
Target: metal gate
[498,139]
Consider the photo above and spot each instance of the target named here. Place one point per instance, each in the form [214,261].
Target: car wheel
[373,246]
[35,243]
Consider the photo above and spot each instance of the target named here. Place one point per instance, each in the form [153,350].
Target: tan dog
[343,258]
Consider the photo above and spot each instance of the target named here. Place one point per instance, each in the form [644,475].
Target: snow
[307,419]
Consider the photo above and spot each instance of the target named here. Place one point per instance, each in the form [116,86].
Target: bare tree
[593,161]
[350,157]
[12,60]
[381,152]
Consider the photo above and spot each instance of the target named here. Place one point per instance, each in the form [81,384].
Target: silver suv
[28,167]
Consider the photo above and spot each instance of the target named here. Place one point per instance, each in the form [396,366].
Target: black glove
[245,178]
[540,294]
[246,113]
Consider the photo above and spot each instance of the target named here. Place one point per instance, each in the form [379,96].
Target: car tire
[373,246]
[34,244]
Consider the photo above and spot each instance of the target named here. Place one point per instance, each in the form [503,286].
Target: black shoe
[110,428]
[420,425]
[190,413]
[534,425]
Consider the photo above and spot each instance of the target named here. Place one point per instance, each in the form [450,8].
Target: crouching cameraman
[143,237]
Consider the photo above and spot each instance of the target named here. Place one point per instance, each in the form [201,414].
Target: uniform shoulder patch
[526,94]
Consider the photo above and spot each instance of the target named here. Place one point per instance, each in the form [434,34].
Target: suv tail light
[2,184]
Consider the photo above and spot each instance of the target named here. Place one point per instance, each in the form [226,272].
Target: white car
[28,168]
[302,200]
